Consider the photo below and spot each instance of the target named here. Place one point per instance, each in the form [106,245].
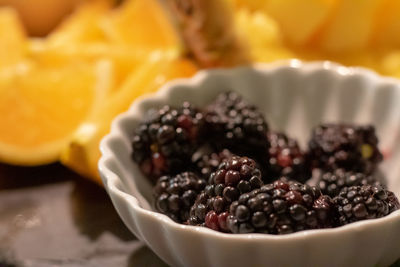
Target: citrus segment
[123,59]
[81,26]
[41,107]
[260,31]
[288,14]
[12,37]
[140,23]
[351,27]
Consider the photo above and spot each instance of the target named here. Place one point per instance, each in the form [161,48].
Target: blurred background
[68,67]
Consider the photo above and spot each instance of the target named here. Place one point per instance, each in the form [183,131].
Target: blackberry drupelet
[358,203]
[285,158]
[280,208]
[176,194]
[165,141]
[331,183]
[351,147]
[237,125]
[234,177]
[207,162]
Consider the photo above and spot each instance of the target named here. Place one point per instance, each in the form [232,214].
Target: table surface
[49,216]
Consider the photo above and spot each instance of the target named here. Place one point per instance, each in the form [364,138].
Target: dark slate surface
[51,217]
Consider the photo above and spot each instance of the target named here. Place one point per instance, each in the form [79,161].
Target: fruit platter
[197,133]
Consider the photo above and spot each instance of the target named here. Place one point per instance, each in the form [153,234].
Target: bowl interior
[294,98]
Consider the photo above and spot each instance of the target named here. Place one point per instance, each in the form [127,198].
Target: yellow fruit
[40,16]
[299,19]
[83,152]
[262,35]
[391,64]
[351,27]
[12,38]
[388,30]
[41,108]
[140,23]
[124,59]
[253,5]
[82,26]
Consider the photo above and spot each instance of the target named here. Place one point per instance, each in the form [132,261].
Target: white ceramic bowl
[295,96]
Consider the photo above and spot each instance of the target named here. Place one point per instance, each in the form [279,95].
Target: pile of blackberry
[223,168]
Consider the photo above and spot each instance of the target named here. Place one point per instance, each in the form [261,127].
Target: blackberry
[285,158]
[165,141]
[393,201]
[356,203]
[280,208]
[237,125]
[351,147]
[206,162]
[176,194]
[234,177]
[330,183]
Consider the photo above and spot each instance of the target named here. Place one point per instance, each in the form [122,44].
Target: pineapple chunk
[351,27]
[299,19]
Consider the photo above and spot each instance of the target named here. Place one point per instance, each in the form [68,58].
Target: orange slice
[12,37]
[41,107]
[123,59]
[82,26]
[140,23]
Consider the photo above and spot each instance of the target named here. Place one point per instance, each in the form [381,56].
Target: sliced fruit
[12,37]
[41,108]
[351,27]
[388,29]
[40,16]
[391,64]
[262,34]
[253,5]
[140,23]
[124,59]
[82,26]
[299,19]
[82,153]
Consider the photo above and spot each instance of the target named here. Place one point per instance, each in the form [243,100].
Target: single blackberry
[280,208]
[356,203]
[285,158]
[165,141]
[237,125]
[176,194]
[351,147]
[206,162]
[234,177]
[331,183]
